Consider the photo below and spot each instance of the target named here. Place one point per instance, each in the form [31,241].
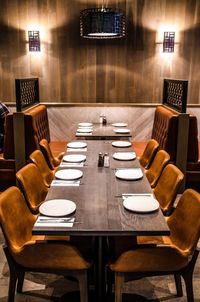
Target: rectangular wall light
[168,41]
[34,40]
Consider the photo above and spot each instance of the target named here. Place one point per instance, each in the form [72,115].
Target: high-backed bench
[36,128]
[165,131]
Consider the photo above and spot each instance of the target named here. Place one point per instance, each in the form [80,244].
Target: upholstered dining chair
[149,153]
[167,188]
[25,252]
[39,160]
[52,161]
[160,161]
[175,254]
[32,185]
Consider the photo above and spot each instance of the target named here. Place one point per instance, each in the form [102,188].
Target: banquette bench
[165,131]
[36,128]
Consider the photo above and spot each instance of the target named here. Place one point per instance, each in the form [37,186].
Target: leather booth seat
[36,128]
[165,130]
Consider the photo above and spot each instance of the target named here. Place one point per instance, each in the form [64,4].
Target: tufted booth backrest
[36,128]
[165,130]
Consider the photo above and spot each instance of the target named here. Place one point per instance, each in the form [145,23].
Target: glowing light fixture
[102,23]
[168,41]
[34,40]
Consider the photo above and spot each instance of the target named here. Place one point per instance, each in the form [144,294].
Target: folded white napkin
[61,222]
[77,149]
[65,183]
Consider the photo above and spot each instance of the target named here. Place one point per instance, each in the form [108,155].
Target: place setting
[84,128]
[121,144]
[54,213]
[73,160]
[77,146]
[67,177]
[129,173]
[122,130]
[140,203]
[124,156]
[119,124]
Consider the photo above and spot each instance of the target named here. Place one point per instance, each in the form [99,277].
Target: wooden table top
[98,199]
[104,132]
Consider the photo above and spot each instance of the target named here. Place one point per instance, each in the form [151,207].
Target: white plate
[74,158]
[121,144]
[124,155]
[122,130]
[129,174]
[85,124]
[120,124]
[77,145]
[141,204]
[68,174]
[84,130]
[57,207]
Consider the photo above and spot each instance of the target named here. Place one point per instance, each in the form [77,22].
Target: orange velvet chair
[175,254]
[32,185]
[39,160]
[149,153]
[53,162]
[25,252]
[167,188]
[160,161]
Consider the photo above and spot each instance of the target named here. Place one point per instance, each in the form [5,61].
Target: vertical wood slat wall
[73,69]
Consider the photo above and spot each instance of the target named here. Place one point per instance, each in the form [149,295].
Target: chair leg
[119,280]
[178,283]
[187,275]
[83,285]
[20,281]
[12,285]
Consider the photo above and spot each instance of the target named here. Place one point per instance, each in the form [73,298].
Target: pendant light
[102,23]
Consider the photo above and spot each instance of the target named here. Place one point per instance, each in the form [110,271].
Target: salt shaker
[106,160]
[101,119]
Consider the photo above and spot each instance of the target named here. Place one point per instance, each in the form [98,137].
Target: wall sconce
[168,41]
[34,40]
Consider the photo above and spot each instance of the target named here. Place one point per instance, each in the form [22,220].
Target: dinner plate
[84,130]
[120,124]
[74,158]
[124,155]
[85,124]
[77,145]
[129,174]
[57,207]
[121,144]
[68,174]
[122,130]
[141,204]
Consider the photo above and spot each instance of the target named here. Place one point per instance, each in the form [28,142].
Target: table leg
[101,286]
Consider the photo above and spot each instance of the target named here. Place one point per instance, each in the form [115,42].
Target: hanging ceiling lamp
[102,23]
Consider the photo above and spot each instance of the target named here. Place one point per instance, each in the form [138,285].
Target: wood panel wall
[73,70]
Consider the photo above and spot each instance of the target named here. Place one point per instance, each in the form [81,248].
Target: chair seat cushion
[150,259]
[54,255]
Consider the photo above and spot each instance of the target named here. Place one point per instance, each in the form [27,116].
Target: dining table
[99,199]
[105,132]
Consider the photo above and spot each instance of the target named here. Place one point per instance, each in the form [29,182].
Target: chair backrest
[149,153]
[167,187]
[46,150]
[158,164]
[15,218]
[39,160]
[32,185]
[184,223]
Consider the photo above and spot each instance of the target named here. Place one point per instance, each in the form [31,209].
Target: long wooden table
[104,132]
[100,210]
